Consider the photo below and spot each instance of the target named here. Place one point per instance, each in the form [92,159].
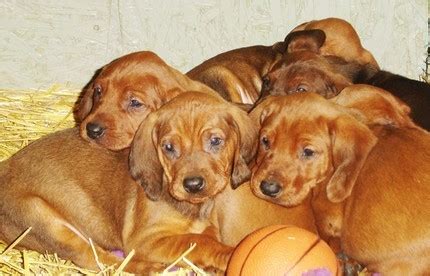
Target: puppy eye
[265,142]
[265,84]
[169,148]
[308,153]
[135,103]
[216,141]
[97,90]
[301,88]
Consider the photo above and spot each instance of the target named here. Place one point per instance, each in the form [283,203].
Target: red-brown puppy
[341,40]
[304,69]
[368,183]
[237,74]
[69,190]
[123,93]
[193,148]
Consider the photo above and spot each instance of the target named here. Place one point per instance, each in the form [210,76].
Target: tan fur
[341,40]
[69,190]
[378,205]
[322,56]
[235,213]
[237,74]
[305,71]
[140,76]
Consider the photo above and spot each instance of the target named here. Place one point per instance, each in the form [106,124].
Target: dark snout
[95,130]
[194,184]
[270,188]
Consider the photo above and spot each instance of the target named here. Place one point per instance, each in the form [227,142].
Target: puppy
[237,74]
[305,70]
[123,93]
[68,191]
[365,165]
[414,93]
[194,147]
[341,40]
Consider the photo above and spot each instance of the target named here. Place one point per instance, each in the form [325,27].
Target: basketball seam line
[255,245]
[316,242]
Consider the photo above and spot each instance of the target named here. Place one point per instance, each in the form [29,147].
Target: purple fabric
[317,272]
[119,253]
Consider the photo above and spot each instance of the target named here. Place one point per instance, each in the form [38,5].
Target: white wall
[51,41]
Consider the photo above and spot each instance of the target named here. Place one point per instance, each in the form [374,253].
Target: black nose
[193,184]
[270,188]
[95,131]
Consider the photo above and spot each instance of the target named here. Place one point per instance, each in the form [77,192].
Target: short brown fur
[69,190]
[368,173]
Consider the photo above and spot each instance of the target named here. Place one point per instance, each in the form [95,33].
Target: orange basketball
[282,250]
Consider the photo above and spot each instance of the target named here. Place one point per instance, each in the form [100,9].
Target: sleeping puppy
[304,69]
[237,74]
[193,148]
[69,190]
[341,40]
[365,165]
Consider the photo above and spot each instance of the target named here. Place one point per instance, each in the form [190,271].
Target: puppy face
[121,96]
[292,157]
[304,141]
[198,164]
[303,71]
[196,145]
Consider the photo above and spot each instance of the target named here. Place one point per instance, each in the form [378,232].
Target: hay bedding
[25,116]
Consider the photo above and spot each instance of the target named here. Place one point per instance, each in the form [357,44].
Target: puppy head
[305,71]
[307,141]
[121,95]
[193,147]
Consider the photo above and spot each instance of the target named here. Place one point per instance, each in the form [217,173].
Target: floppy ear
[247,135]
[261,110]
[84,104]
[145,167]
[375,105]
[309,40]
[351,143]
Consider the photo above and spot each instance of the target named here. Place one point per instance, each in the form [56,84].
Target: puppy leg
[208,253]
[51,232]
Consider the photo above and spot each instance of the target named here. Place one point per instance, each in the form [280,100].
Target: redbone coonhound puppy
[365,165]
[123,93]
[305,69]
[194,147]
[341,40]
[69,190]
[237,74]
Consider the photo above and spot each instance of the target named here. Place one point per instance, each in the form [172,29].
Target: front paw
[222,258]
